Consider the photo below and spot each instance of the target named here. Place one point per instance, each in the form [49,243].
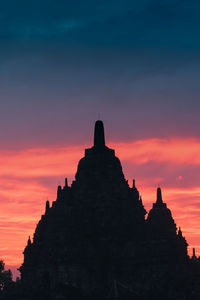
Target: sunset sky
[136,64]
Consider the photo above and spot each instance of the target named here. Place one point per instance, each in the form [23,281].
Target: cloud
[137,61]
[108,23]
[61,160]
[29,176]
[173,150]
[40,162]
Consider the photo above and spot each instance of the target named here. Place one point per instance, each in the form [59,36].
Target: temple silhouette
[96,242]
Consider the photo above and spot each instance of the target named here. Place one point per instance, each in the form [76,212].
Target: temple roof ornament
[193,254]
[159,196]
[47,206]
[159,201]
[180,232]
[99,137]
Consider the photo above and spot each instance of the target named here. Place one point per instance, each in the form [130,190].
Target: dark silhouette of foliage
[5,277]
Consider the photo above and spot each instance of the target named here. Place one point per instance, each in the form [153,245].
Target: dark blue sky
[64,62]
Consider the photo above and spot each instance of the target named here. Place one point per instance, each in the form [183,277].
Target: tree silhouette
[5,277]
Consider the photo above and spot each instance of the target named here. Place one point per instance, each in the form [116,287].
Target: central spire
[159,196]
[99,138]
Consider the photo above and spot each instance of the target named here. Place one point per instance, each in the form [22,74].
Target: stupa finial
[29,241]
[99,138]
[133,183]
[47,206]
[193,253]
[180,232]
[159,196]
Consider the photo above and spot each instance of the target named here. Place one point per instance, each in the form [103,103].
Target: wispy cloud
[173,150]
[29,176]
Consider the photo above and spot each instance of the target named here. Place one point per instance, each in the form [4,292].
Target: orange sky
[29,177]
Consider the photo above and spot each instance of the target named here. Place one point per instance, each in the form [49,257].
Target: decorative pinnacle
[159,196]
[59,190]
[133,183]
[179,232]
[193,252]
[99,138]
[47,206]
[29,241]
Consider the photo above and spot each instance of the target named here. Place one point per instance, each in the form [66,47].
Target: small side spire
[59,190]
[180,232]
[159,196]
[66,182]
[134,189]
[29,241]
[133,183]
[47,206]
[27,248]
[99,137]
[193,253]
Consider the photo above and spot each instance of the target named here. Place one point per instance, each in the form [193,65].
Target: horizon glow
[30,176]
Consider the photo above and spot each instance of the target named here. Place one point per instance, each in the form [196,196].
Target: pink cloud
[174,150]
[28,177]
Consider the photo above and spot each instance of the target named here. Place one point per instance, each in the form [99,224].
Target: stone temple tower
[167,244]
[95,232]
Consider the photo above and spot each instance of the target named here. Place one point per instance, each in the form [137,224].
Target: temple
[96,241]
